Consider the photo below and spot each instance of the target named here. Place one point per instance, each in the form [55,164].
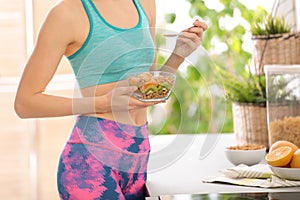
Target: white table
[175,165]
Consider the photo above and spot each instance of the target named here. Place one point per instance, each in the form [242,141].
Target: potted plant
[247,93]
[274,42]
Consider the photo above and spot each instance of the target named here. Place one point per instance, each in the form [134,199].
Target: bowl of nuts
[249,154]
[153,85]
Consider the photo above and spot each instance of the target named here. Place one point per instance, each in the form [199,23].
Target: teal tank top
[110,52]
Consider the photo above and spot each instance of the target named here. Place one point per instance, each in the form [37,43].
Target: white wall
[298,14]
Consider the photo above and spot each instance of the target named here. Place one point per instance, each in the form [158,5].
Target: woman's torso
[124,15]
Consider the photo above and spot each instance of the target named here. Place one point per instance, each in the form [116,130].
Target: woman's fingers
[189,39]
[191,36]
[200,24]
[135,103]
[194,33]
[196,30]
[121,95]
[125,90]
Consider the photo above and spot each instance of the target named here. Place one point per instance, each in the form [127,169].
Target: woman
[106,154]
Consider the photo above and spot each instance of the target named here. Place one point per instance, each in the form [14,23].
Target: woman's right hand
[120,99]
[189,39]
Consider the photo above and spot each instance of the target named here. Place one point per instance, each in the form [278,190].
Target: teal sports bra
[110,52]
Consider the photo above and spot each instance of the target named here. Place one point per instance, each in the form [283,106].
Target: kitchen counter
[179,163]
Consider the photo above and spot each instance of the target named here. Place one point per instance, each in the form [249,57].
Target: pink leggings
[104,160]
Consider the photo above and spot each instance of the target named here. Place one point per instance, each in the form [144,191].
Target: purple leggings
[104,159]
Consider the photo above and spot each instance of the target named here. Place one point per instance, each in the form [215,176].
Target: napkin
[259,175]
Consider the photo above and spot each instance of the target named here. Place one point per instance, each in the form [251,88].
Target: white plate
[287,173]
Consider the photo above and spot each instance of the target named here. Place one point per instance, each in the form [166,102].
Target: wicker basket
[276,49]
[250,124]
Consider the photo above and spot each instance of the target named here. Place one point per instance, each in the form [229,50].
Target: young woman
[106,155]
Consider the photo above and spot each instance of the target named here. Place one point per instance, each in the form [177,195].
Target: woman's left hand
[189,39]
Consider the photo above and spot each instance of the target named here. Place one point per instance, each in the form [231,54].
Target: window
[12,37]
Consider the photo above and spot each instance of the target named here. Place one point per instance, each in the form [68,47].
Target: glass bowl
[152,85]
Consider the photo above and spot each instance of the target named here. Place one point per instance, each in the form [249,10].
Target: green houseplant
[247,93]
[274,42]
[270,26]
[244,87]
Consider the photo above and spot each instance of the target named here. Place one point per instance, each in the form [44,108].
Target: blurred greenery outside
[192,107]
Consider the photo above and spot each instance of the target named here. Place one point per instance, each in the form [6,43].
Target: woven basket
[275,49]
[250,124]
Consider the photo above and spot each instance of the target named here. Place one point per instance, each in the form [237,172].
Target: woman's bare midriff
[137,117]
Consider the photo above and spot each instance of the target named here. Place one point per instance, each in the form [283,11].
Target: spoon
[170,35]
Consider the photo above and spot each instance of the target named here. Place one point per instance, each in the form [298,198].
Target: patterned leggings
[104,160]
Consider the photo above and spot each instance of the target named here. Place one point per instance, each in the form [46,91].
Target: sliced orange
[295,163]
[149,84]
[282,143]
[280,157]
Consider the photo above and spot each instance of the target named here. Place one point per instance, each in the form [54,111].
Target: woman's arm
[55,35]
[187,41]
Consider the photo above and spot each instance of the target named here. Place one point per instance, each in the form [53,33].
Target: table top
[179,163]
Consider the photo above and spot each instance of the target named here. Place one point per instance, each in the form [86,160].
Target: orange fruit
[295,163]
[280,157]
[149,84]
[283,143]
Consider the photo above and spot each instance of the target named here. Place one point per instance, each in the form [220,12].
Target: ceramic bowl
[247,157]
[152,86]
[287,173]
